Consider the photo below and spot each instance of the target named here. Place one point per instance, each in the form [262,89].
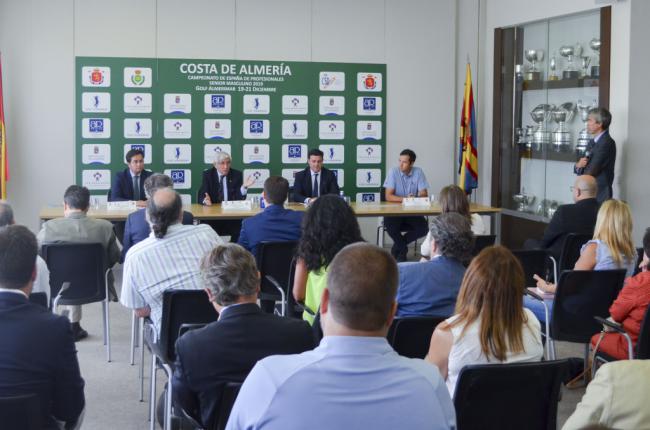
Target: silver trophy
[594,44]
[523,201]
[533,56]
[583,136]
[541,114]
[551,208]
[552,65]
[569,52]
[585,60]
[563,114]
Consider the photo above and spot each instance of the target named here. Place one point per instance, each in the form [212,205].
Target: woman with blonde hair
[611,248]
[490,324]
[453,199]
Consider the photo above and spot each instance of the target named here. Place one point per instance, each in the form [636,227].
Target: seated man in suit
[222,183]
[275,223]
[353,379]
[226,350]
[405,180]
[37,352]
[129,183]
[578,217]
[137,228]
[77,227]
[315,180]
[430,288]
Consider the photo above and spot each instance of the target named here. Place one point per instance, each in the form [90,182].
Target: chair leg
[108,331]
[104,320]
[168,399]
[134,323]
[585,376]
[152,398]
[142,360]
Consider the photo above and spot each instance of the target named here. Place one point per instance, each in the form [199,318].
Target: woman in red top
[628,309]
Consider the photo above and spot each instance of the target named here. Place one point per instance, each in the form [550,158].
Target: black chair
[274,261]
[639,258]
[411,336]
[534,262]
[20,412]
[39,298]
[570,253]
[83,267]
[482,241]
[180,307]
[228,397]
[509,396]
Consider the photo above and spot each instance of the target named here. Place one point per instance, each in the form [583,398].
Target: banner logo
[369,106]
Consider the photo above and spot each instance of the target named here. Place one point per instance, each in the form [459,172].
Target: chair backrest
[643,342]
[581,295]
[39,298]
[411,336]
[81,264]
[274,259]
[639,258]
[20,412]
[481,242]
[571,250]
[534,261]
[228,397]
[182,307]
[509,396]
[291,301]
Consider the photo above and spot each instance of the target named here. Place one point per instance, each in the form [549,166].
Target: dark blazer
[122,188]
[274,224]
[210,185]
[137,229]
[579,218]
[302,186]
[601,165]
[227,350]
[38,355]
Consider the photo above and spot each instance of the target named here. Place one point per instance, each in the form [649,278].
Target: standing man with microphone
[600,156]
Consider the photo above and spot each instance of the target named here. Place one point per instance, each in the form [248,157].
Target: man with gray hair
[137,228]
[430,288]
[353,379]
[221,183]
[226,350]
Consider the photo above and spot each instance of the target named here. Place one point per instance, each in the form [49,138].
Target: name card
[421,202]
[128,205]
[237,205]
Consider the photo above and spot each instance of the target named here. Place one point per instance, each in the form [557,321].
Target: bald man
[578,217]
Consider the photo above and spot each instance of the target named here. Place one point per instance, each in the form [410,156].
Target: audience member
[37,352]
[403,181]
[42,281]
[611,248]
[227,350]
[315,180]
[453,199]
[137,228]
[129,183]
[77,227]
[628,309]
[275,223]
[353,379]
[167,259]
[617,398]
[328,226]
[578,217]
[430,288]
[490,324]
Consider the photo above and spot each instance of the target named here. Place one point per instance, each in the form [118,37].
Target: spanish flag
[468,151]
[4,163]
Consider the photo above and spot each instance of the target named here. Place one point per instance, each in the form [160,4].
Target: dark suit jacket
[579,218]
[274,224]
[226,351]
[137,229]
[38,355]
[601,165]
[122,188]
[303,184]
[210,185]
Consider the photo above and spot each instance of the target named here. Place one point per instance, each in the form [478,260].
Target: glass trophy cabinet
[547,75]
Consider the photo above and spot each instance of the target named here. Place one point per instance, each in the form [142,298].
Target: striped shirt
[156,265]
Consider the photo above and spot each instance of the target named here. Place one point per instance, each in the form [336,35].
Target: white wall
[39,40]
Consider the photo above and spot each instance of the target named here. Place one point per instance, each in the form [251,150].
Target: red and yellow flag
[4,163]
[468,151]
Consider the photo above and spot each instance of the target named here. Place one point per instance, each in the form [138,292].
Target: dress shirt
[224,186]
[155,265]
[14,291]
[320,178]
[346,382]
[139,175]
[405,184]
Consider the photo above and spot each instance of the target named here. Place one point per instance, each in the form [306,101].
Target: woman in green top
[328,226]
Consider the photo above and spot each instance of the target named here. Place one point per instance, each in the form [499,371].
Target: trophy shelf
[549,154]
[560,84]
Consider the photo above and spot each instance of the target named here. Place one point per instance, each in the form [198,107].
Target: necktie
[136,187]
[221,184]
[314,190]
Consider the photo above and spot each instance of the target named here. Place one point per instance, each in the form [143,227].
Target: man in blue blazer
[37,352]
[129,183]
[275,223]
[137,228]
[315,180]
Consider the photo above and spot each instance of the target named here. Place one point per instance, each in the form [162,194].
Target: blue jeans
[537,308]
